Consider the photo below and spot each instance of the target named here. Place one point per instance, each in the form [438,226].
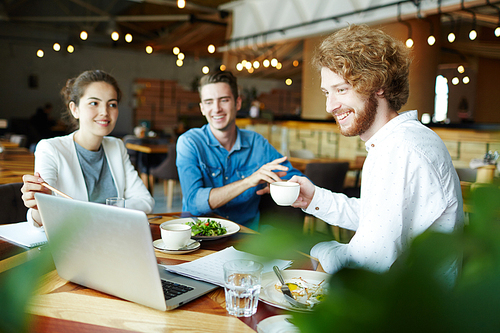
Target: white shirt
[409,185]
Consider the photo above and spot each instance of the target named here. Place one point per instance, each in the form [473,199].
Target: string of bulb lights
[272,62]
[114,35]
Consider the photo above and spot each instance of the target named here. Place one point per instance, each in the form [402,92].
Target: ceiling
[158,23]
[244,29]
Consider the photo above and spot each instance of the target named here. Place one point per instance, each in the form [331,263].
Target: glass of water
[242,286]
[115,201]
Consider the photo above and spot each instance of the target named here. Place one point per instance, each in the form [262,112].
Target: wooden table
[14,163]
[61,306]
[148,149]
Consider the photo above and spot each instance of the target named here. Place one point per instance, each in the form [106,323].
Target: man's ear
[74,110]
[380,93]
[238,103]
[201,109]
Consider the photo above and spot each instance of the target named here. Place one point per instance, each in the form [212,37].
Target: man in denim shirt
[223,169]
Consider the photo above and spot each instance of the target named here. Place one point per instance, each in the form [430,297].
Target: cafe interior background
[453,86]
[161,50]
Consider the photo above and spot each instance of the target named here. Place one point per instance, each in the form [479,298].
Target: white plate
[277,324]
[160,246]
[231,227]
[272,296]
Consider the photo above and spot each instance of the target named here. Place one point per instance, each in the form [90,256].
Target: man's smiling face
[219,106]
[353,112]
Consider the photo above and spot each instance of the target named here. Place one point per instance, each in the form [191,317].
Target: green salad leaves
[207,227]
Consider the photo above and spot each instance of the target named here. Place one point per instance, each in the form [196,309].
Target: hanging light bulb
[222,67]
[451,37]
[256,64]
[461,69]
[181,3]
[431,40]
[266,63]
[149,49]
[84,35]
[205,69]
[497,31]
[179,62]
[239,67]
[40,53]
[472,34]
[466,80]
[409,43]
[176,50]
[248,65]
[56,47]
[211,48]
[288,82]
[128,38]
[181,56]
[274,62]
[115,36]
[70,48]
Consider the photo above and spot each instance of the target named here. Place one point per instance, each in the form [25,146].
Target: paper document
[209,268]
[23,233]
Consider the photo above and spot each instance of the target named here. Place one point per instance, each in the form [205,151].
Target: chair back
[328,175]
[467,174]
[167,169]
[12,207]
[302,153]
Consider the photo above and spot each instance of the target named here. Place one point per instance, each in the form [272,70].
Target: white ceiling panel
[260,22]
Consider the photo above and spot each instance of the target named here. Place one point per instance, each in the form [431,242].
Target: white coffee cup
[175,236]
[285,193]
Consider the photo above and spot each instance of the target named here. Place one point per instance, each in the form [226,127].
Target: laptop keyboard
[171,289]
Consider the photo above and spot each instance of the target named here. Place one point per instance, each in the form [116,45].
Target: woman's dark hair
[75,89]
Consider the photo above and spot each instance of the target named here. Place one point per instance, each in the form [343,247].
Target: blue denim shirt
[203,163]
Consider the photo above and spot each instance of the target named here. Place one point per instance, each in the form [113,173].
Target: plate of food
[307,287]
[208,228]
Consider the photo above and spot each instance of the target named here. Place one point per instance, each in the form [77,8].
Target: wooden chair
[330,176]
[167,170]
[11,204]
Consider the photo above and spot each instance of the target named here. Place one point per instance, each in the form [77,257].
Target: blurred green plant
[17,287]
[19,284]
[415,295]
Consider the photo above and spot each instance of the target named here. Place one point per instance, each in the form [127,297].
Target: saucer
[277,324]
[160,246]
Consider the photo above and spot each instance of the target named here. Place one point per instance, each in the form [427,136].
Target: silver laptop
[110,249]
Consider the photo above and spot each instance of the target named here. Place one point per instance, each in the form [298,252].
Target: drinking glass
[116,201]
[242,286]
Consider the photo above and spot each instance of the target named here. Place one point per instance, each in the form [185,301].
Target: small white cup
[285,193]
[116,201]
[175,236]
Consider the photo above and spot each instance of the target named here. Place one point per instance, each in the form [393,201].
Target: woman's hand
[306,194]
[33,184]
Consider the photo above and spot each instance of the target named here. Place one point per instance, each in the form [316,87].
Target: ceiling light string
[409,41]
